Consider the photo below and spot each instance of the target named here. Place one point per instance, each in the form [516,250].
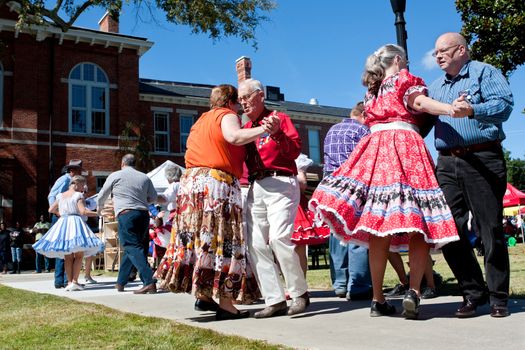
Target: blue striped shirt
[490,97]
[340,141]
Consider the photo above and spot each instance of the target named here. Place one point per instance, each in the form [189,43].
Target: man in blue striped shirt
[349,269]
[471,170]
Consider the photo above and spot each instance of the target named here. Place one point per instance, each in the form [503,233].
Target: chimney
[109,23]
[243,65]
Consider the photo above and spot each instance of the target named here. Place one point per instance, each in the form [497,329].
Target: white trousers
[271,207]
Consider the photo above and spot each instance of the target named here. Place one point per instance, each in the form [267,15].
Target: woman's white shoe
[76,287]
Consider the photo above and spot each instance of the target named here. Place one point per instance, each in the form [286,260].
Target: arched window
[88,100]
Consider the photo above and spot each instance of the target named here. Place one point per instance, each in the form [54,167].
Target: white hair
[252,85]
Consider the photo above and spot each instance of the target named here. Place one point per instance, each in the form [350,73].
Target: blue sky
[309,49]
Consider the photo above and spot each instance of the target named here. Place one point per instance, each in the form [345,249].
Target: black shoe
[398,290]
[222,314]
[203,305]
[132,277]
[385,309]
[411,305]
[429,293]
[359,296]
[499,311]
[58,286]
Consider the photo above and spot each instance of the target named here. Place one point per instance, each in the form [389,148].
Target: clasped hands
[271,124]
[461,107]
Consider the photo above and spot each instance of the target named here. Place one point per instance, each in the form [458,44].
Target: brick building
[69,95]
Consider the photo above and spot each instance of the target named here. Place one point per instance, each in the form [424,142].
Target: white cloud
[428,62]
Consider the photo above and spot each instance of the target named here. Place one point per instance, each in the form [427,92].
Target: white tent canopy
[158,178]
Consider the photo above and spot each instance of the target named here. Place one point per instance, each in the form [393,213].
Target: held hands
[271,124]
[461,107]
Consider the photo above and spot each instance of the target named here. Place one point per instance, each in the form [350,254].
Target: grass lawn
[31,320]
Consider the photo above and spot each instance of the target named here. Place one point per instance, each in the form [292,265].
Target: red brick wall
[25,166]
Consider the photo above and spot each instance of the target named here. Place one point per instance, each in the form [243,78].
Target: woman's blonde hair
[78,180]
[377,63]
[222,95]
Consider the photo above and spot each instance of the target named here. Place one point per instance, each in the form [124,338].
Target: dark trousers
[477,182]
[133,233]
[60,273]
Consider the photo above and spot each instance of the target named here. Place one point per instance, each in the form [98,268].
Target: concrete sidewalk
[329,323]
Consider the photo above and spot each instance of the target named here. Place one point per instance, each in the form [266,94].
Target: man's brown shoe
[299,304]
[149,289]
[272,310]
[499,311]
[467,309]
[119,287]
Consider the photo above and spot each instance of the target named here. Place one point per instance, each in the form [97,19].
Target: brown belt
[125,211]
[479,147]
[261,174]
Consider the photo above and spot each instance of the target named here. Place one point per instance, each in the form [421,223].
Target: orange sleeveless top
[206,146]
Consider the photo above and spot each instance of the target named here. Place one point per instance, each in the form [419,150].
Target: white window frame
[157,132]
[314,151]
[89,109]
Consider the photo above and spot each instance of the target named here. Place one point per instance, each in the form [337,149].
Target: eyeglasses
[248,96]
[443,50]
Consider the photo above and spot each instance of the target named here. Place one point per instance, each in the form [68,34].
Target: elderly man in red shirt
[271,206]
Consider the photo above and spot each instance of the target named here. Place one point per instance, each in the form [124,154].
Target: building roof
[191,90]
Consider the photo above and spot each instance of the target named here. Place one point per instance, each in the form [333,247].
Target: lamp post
[398,6]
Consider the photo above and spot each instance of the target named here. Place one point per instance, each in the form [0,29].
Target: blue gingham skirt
[70,234]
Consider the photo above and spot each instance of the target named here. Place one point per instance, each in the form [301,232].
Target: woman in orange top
[208,253]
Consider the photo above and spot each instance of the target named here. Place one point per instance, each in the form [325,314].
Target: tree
[219,18]
[133,140]
[515,171]
[494,29]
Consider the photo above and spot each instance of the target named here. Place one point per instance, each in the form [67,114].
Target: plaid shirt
[340,141]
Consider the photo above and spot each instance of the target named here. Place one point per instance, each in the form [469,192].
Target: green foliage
[219,18]
[515,171]
[495,30]
[132,139]
[41,321]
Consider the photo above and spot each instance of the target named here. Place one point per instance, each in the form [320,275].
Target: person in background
[385,196]
[132,192]
[39,230]
[272,204]
[73,168]
[305,232]
[471,170]
[429,290]
[349,268]
[17,243]
[4,247]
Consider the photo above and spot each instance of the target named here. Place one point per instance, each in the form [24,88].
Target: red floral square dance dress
[387,186]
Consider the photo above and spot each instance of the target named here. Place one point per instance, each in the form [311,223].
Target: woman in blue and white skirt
[70,237]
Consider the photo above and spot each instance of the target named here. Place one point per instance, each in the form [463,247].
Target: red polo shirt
[275,152]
